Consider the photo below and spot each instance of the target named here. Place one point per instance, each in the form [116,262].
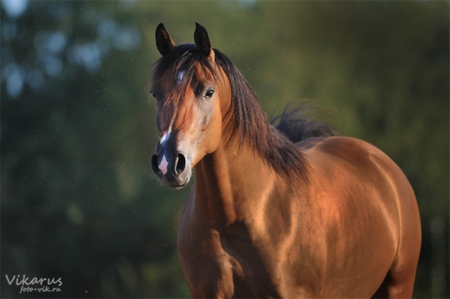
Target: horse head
[192,93]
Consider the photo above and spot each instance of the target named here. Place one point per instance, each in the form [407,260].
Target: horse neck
[229,182]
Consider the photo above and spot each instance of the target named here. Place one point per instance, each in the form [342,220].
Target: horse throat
[228,181]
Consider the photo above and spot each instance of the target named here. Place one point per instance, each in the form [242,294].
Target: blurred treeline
[78,200]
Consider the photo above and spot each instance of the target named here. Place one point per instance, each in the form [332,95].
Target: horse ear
[164,42]
[202,40]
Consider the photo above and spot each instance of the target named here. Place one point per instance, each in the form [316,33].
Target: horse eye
[153,94]
[209,93]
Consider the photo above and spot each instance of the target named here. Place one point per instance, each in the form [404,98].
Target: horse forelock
[180,65]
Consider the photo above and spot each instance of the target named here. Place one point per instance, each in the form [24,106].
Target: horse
[269,215]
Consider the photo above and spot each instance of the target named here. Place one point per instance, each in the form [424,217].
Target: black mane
[250,121]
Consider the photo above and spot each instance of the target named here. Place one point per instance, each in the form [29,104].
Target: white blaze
[164,137]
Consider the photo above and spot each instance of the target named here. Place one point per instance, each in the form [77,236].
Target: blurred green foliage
[78,200]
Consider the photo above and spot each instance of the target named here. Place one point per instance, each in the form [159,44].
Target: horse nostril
[181,163]
[154,162]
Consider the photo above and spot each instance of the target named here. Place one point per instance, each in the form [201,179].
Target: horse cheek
[213,129]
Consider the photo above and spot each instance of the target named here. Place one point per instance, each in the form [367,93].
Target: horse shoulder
[354,177]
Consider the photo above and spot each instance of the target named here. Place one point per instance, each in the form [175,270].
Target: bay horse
[326,217]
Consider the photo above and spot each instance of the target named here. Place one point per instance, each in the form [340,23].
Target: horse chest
[225,263]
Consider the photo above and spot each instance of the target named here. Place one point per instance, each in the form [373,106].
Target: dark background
[78,200]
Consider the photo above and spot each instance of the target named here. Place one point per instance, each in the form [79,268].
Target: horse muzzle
[173,170]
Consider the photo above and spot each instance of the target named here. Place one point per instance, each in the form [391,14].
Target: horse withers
[328,217]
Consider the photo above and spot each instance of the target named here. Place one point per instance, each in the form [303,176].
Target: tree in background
[77,197]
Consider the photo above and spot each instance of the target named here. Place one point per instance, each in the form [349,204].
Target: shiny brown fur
[328,217]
